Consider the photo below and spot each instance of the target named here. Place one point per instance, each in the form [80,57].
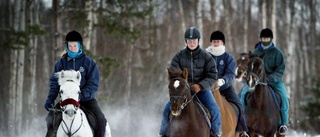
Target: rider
[274,64]
[226,66]
[75,59]
[202,75]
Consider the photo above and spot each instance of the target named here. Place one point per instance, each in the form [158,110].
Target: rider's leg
[53,120]
[92,106]
[284,108]
[164,128]
[208,100]
[242,95]
[232,96]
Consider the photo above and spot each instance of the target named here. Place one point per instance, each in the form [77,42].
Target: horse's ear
[250,52]
[62,74]
[185,73]
[169,73]
[78,75]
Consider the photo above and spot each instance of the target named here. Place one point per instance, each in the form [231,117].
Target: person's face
[216,43]
[73,46]
[264,39]
[192,43]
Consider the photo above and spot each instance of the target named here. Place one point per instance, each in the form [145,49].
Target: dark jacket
[274,62]
[89,77]
[226,66]
[200,64]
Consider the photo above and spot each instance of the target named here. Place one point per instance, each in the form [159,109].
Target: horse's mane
[68,75]
[174,72]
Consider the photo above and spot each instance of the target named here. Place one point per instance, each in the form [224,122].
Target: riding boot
[53,121]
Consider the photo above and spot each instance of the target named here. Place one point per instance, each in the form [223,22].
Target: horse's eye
[61,91]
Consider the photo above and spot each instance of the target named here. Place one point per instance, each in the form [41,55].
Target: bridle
[76,106]
[258,78]
[184,97]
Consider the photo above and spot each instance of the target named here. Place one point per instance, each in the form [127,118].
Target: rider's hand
[48,104]
[220,82]
[196,88]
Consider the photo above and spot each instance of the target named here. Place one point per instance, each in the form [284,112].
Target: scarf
[72,54]
[216,51]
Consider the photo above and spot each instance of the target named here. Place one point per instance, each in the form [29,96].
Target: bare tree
[17,72]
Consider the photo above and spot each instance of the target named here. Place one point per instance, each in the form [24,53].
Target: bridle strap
[258,82]
[186,102]
[68,130]
[70,101]
[183,105]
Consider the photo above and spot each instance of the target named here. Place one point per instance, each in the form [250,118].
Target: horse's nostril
[70,112]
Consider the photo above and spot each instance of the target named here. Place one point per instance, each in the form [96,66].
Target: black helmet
[217,35]
[266,33]
[74,36]
[192,33]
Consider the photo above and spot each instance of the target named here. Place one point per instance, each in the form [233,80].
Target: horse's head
[256,74]
[241,70]
[179,90]
[69,82]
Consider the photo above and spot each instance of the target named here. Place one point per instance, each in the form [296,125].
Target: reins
[69,130]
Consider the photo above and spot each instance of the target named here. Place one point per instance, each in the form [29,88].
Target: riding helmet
[74,36]
[266,33]
[217,35]
[192,33]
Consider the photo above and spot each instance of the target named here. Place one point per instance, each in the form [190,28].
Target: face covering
[267,43]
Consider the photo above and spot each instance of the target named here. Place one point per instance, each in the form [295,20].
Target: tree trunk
[228,19]
[264,14]
[273,20]
[17,73]
[199,21]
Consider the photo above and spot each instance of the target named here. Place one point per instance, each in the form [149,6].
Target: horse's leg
[108,131]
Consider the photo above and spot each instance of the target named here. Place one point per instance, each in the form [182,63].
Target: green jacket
[274,62]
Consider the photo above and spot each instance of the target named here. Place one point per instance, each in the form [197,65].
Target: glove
[49,104]
[196,88]
[220,82]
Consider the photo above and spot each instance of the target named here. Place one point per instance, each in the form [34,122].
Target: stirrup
[243,134]
[283,130]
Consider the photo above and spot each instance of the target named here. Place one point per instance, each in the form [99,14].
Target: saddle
[275,96]
[204,111]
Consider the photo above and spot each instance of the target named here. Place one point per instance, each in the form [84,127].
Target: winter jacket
[89,77]
[226,66]
[200,64]
[274,62]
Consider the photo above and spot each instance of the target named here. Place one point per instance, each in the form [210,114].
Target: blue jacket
[226,66]
[90,77]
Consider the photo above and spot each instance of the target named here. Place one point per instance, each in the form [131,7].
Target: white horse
[74,121]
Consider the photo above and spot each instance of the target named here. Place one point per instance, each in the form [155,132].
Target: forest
[133,43]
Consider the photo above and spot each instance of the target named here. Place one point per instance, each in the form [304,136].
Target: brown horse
[242,65]
[262,113]
[187,119]
[228,114]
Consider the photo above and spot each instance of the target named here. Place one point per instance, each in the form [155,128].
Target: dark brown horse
[187,119]
[262,113]
[242,65]
[228,114]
